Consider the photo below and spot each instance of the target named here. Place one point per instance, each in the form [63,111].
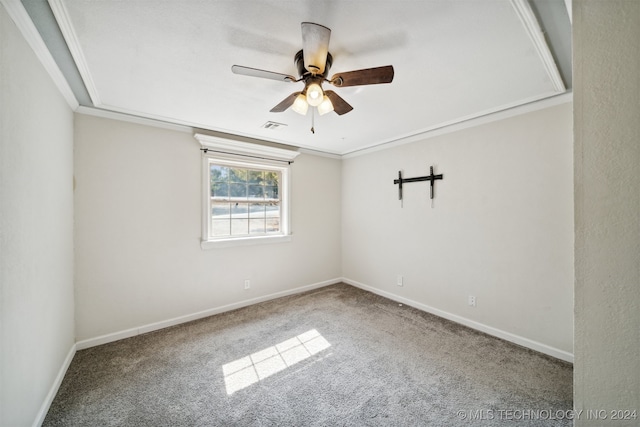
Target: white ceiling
[171,61]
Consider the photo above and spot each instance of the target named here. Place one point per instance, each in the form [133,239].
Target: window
[246,193]
[245,201]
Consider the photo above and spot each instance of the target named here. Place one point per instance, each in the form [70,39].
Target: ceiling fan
[313,63]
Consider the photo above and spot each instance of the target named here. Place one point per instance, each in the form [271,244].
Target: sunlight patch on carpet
[248,370]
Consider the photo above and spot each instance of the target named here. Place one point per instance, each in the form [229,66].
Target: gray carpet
[335,356]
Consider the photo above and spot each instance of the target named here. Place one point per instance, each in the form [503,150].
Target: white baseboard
[516,339]
[44,408]
[115,336]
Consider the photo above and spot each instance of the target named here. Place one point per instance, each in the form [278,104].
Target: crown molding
[488,117]
[478,120]
[64,22]
[124,117]
[326,154]
[532,27]
[25,25]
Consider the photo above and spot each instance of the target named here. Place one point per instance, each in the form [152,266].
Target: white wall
[36,230]
[501,227]
[138,208]
[607,201]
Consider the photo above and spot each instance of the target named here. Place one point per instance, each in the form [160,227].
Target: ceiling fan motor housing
[304,73]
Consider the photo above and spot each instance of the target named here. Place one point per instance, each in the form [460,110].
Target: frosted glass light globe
[314,94]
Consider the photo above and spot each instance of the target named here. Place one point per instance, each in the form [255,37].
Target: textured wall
[501,228]
[36,229]
[607,204]
[138,219]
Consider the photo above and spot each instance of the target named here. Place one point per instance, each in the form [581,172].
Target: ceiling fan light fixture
[300,105]
[314,94]
[325,106]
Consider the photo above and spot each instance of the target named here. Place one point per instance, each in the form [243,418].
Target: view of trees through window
[244,202]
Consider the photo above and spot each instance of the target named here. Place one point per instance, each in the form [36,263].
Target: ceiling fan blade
[286,103]
[254,72]
[368,76]
[340,106]
[315,46]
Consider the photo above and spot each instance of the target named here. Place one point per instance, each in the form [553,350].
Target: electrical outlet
[399,280]
[472,301]
[247,284]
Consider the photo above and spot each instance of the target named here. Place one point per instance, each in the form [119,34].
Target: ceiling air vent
[273,125]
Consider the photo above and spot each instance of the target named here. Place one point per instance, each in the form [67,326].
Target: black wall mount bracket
[432,178]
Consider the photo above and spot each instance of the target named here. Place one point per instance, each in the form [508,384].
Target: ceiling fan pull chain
[313,116]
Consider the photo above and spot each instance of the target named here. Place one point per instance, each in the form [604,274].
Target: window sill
[243,241]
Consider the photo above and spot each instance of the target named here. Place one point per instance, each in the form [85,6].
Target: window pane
[238,190]
[220,189]
[256,177]
[272,209]
[220,227]
[220,210]
[257,210]
[240,210]
[238,175]
[256,191]
[257,226]
[271,178]
[273,224]
[219,173]
[239,227]
[271,192]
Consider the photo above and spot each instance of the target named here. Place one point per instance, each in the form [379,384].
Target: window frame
[246,156]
